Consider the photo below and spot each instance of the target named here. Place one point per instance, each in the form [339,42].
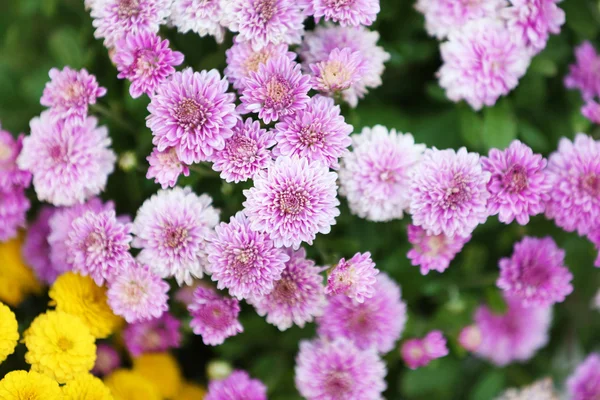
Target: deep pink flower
[346,12]
[214,317]
[200,16]
[36,248]
[420,352]
[433,252]
[354,278]
[10,174]
[342,69]
[470,338]
[13,208]
[165,167]
[584,383]
[107,359]
[236,386]
[591,110]
[156,335]
[585,73]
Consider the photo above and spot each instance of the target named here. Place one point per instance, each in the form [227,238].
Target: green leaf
[533,137]
[471,128]
[499,125]
[489,386]
[66,48]
[544,66]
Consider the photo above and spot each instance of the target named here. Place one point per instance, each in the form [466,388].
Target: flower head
[10,174]
[354,278]
[377,322]
[298,296]
[161,369]
[420,352]
[482,62]
[165,167]
[470,337]
[13,209]
[146,60]
[9,332]
[214,317]
[318,132]
[200,16]
[86,387]
[448,192]
[36,248]
[433,252]
[584,383]
[591,110]
[542,389]
[339,370]
[107,359]
[346,12]
[342,69]
[585,73]
[127,384]
[245,153]
[17,280]
[191,391]
[277,89]
[18,385]
[59,345]
[193,113]
[156,335]
[137,294]
[237,385]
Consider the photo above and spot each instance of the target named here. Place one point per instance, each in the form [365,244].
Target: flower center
[416,352]
[5,152]
[254,60]
[387,176]
[128,8]
[336,76]
[457,193]
[265,9]
[311,135]
[93,242]
[338,382]
[72,91]
[169,158]
[278,92]
[152,340]
[134,290]
[435,245]
[338,3]
[292,201]
[246,256]
[244,149]
[58,153]
[175,236]
[515,179]
[591,184]
[147,62]
[65,344]
[534,275]
[286,292]
[190,114]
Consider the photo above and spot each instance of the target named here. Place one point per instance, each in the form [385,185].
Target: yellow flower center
[65,344]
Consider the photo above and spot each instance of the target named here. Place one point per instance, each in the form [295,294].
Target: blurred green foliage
[36,35]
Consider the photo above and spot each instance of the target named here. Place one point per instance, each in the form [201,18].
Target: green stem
[202,170]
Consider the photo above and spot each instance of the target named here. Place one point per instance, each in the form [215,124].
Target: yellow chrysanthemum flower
[86,387]
[60,346]
[19,385]
[9,332]
[17,280]
[161,369]
[125,384]
[80,296]
[191,391]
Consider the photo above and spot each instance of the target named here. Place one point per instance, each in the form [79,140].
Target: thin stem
[202,170]
[112,116]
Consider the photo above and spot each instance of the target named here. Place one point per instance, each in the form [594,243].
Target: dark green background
[36,35]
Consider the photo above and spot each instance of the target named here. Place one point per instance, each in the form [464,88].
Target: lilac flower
[10,174]
[482,62]
[584,383]
[113,19]
[574,174]
[378,322]
[319,133]
[70,162]
[534,21]
[298,296]
[13,209]
[346,12]
[449,194]
[238,385]
[98,245]
[146,61]
[470,338]
[292,201]
[171,228]
[435,345]
[69,93]
[215,318]
[200,16]
[277,89]
[420,352]
[443,17]
[261,22]
[354,278]
[137,294]
[320,43]
[342,69]
[153,336]
[244,261]
[374,177]
[535,274]
[339,370]
[433,252]
[242,60]
[36,249]
[165,167]
[245,153]
[585,73]
[192,112]
[513,336]
[591,110]
[107,359]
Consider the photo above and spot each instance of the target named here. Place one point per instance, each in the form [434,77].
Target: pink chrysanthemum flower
[13,209]
[339,370]
[584,383]
[519,184]
[238,385]
[513,336]
[292,201]
[137,294]
[200,16]
[113,19]
[374,176]
[165,167]
[244,261]
[345,12]
[245,153]
[534,21]
[192,112]
[318,132]
[482,62]
[354,278]
[107,359]
[146,61]
[320,43]
[433,252]
[594,237]
[69,93]
[342,69]
[10,174]
[277,89]
[36,249]
[242,60]
[535,274]
[443,17]
[214,317]
[574,174]
[448,192]
[262,22]
[378,322]
[70,162]
[98,245]
[298,296]
[591,110]
[585,73]
[418,353]
[470,338]
[171,228]
[156,335]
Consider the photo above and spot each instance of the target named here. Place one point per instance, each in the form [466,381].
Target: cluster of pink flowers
[420,352]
